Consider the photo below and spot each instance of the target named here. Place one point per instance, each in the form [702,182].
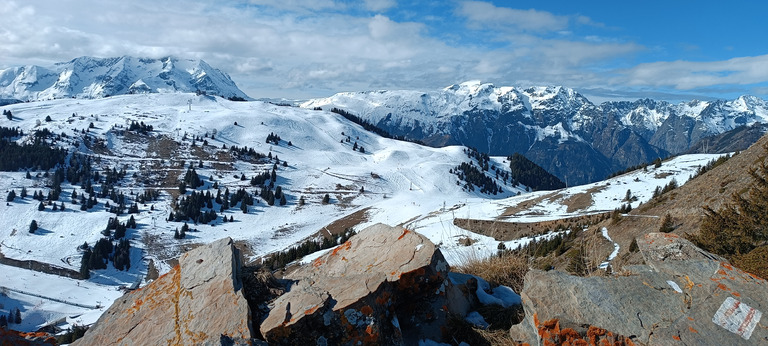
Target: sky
[298,49]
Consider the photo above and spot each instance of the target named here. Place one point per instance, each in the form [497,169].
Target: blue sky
[673,50]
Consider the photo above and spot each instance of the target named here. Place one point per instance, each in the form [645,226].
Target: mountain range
[556,127]
[89,77]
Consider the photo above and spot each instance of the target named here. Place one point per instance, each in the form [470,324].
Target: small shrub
[666,224]
[509,270]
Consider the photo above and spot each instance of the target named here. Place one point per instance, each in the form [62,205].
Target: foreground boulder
[386,285]
[199,302]
[683,295]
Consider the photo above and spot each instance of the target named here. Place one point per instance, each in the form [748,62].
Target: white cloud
[487,15]
[379,5]
[686,75]
[302,48]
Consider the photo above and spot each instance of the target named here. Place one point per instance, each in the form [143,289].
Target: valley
[392,182]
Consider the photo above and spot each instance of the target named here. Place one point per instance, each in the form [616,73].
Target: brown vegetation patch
[350,221]
[162,147]
[508,270]
[525,205]
[582,200]
[504,231]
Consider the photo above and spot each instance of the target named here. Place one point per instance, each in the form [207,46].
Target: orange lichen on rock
[593,333]
[346,246]
[693,330]
[311,310]
[676,337]
[367,310]
[317,263]
[551,333]
[405,231]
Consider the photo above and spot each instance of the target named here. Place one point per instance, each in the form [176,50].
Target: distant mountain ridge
[556,127]
[89,77]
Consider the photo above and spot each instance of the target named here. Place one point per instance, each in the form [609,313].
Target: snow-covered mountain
[89,77]
[556,127]
[154,139]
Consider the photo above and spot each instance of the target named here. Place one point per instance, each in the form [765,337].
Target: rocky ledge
[682,295]
[199,302]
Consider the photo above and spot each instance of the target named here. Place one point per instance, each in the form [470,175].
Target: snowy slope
[88,77]
[548,106]
[555,127]
[404,184]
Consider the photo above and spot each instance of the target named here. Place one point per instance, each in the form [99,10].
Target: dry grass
[582,200]
[503,231]
[460,331]
[508,270]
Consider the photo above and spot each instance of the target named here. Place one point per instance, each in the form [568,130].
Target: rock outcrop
[386,285]
[199,302]
[683,295]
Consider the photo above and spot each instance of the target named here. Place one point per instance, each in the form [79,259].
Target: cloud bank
[311,48]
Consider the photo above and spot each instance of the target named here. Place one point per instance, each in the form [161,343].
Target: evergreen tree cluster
[98,256]
[148,195]
[191,179]
[739,230]
[14,317]
[532,175]
[38,155]
[273,138]
[370,127]
[483,160]
[281,259]
[261,178]
[712,164]
[558,244]
[8,115]
[183,233]
[658,191]
[121,259]
[10,133]
[140,127]
[246,154]
[76,332]
[189,208]
[119,227]
[472,176]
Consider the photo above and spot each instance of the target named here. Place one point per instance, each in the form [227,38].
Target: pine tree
[666,224]
[84,262]
[17,319]
[326,199]
[41,206]
[3,321]
[283,200]
[23,192]
[11,196]
[33,226]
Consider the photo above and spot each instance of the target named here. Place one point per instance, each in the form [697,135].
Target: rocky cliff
[199,302]
[391,286]
[682,295]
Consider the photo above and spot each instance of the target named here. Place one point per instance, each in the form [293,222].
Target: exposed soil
[505,231]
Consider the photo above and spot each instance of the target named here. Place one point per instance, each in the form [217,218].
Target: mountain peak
[93,77]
